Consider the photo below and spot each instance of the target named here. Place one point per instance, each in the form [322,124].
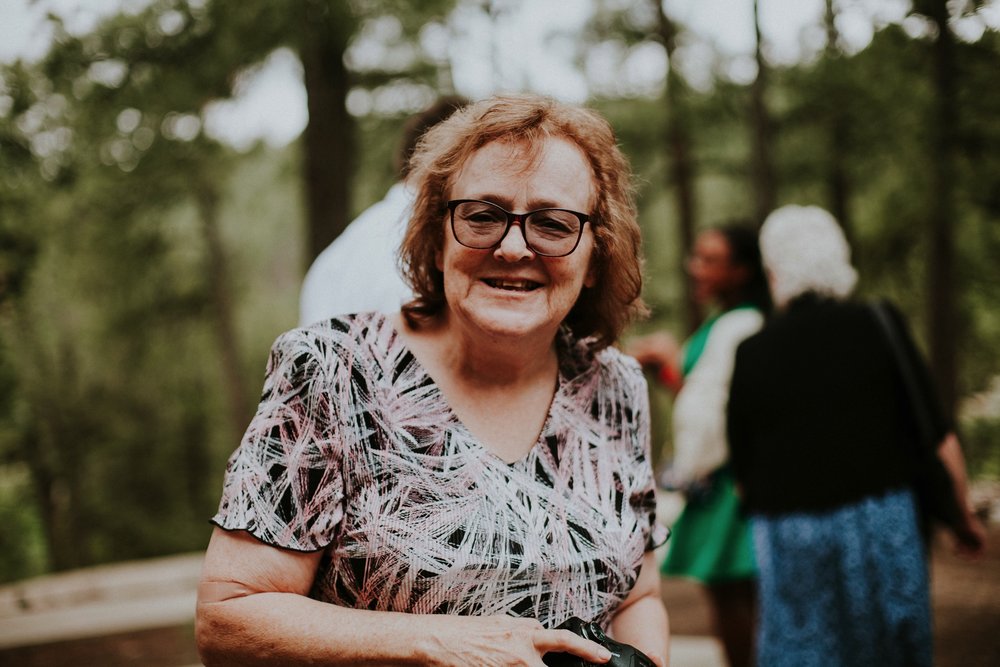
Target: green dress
[711,539]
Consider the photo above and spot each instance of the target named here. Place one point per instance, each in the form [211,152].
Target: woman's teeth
[515,285]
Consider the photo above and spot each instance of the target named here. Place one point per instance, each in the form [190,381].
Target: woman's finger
[564,641]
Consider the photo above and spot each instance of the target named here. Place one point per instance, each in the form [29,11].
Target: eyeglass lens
[481,225]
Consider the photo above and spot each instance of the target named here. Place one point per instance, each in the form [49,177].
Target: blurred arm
[659,351]
[971,535]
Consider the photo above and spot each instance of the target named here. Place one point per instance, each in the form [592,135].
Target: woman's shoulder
[828,314]
[331,339]
[810,321]
[732,328]
[613,360]
[739,319]
[620,372]
[349,326]
[580,357]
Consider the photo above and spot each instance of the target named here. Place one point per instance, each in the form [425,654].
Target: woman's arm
[642,619]
[253,610]
[659,351]
[970,536]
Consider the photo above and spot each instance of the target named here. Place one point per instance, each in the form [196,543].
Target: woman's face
[509,291]
[714,276]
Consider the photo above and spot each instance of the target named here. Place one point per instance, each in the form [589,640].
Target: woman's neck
[500,390]
[481,360]
[730,301]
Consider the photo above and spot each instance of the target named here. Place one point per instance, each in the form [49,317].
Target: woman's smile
[512,285]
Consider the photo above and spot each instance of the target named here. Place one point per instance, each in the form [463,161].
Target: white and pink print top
[355,451]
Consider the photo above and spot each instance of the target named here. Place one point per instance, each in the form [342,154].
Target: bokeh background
[168,169]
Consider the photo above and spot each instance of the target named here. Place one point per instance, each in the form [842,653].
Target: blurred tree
[837,121]
[942,215]
[325,29]
[121,336]
[145,267]
[627,26]
[322,32]
[679,155]
[761,165]
[857,137]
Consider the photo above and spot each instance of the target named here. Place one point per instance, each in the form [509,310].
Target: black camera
[622,655]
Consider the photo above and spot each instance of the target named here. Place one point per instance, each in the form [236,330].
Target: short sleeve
[284,483]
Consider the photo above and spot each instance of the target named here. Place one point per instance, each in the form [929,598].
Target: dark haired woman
[711,540]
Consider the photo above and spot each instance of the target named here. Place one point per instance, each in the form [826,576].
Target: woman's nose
[513,246]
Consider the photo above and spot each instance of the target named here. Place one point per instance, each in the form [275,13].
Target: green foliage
[146,269]
[127,235]
[22,543]
[979,442]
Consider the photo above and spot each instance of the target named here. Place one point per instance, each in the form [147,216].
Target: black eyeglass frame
[518,218]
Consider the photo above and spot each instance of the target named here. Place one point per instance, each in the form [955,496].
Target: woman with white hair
[818,425]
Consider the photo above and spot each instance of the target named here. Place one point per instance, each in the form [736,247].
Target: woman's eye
[551,225]
[485,218]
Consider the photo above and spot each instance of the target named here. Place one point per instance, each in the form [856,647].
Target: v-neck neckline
[474,441]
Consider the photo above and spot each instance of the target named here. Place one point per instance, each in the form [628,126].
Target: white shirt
[359,272]
[699,415]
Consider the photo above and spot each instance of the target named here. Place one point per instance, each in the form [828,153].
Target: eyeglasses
[549,232]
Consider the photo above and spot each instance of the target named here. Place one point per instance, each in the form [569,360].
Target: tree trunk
[680,175]
[838,183]
[762,167]
[942,310]
[328,140]
[51,446]
[223,321]
[60,553]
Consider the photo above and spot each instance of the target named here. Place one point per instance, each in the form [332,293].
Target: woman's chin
[508,321]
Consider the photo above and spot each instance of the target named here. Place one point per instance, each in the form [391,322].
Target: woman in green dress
[711,540]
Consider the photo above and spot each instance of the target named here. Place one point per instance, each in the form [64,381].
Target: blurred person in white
[359,271]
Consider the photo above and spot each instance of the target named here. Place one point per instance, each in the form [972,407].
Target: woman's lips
[512,285]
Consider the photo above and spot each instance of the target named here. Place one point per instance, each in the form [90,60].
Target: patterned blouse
[355,451]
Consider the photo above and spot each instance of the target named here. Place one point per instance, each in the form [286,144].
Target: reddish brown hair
[602,311]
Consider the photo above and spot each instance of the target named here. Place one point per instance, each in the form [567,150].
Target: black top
[818,416]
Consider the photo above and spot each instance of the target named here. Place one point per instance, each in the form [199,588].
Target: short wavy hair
[805,251]
[601,312]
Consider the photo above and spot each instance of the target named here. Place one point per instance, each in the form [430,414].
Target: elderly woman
[818,424]
[447,485]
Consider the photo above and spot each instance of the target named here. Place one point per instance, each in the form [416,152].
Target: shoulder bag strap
[925,427]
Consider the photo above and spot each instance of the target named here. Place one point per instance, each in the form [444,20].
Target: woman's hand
[970,537]
[457,641]
[660,353]
[656,349]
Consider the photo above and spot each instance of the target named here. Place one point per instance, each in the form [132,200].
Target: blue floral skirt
[847,587]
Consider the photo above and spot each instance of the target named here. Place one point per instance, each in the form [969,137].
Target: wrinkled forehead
[552,159]
[507,156]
